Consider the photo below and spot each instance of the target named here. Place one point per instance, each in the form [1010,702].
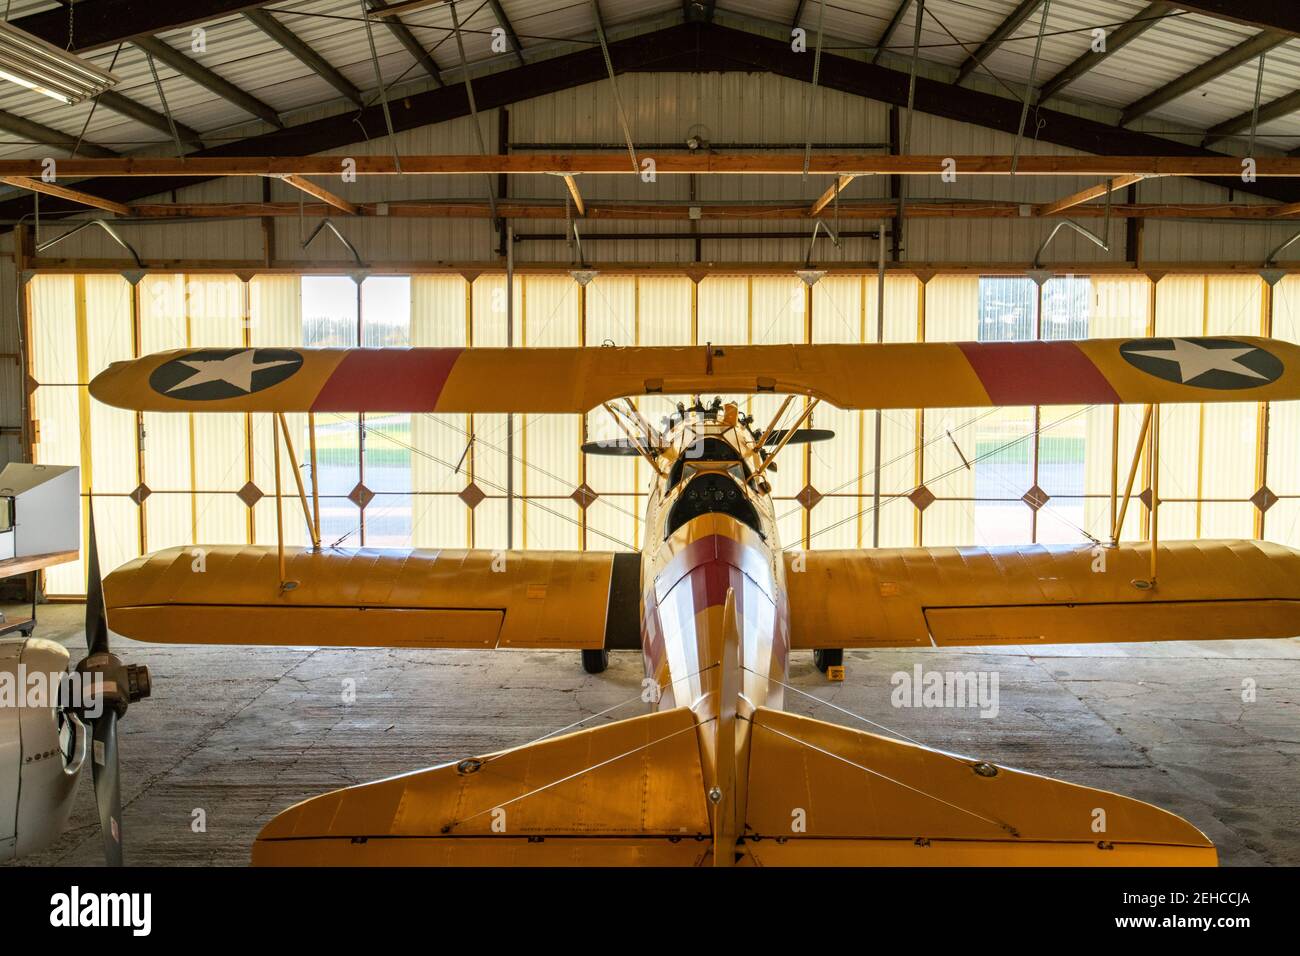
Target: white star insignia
[236,370]
[1195,360]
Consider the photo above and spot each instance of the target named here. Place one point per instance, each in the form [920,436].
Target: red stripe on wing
[1038,373]
[387,380]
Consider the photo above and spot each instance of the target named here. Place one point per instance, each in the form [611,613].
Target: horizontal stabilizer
[575,380]
[626,794]
[825,795]
[1043,594]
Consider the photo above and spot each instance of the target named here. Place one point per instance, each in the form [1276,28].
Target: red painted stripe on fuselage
[375,380]
[1039,373]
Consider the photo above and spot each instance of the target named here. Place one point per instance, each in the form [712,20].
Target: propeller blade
[108,786]
[96,621]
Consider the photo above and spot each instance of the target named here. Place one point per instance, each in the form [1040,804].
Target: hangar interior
[487,238]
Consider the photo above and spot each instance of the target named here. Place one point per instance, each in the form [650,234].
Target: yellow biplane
[717,773]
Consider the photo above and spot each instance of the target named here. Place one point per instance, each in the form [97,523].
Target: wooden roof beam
[1085,195]
[674,163]
[869,210]
[576,195]
[320,192]
[826,198]
[63,192]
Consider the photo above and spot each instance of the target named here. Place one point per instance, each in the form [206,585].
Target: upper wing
[231,594]
[920,375]
[1205,590]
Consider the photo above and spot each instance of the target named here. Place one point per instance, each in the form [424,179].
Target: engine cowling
[43,747]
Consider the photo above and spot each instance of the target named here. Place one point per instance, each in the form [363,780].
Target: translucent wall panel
[193,464]
[843,468]
[954,313]
[614,519]
[1120,308]
[439,442]
[549,444]
[1282,521]
[386,311]
[493,437]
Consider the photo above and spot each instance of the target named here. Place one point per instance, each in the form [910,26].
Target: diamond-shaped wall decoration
[1263,499]
[809,497]
[583,495]
[360,496]
[140,494]
[472,495]
[1035,497]
[250,494]
[922,497]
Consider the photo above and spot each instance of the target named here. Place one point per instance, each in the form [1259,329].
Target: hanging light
[43,68]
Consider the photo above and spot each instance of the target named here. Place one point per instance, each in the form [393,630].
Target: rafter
[282,35]
[1275,109]
[1023,11]
[1243,52]
[1281,15]
[115,101]
[1116,40]
[206,78]
[891,28]
[36,133]
[63,192]
[504,23]
[320,192]
[101,23]
[408,39]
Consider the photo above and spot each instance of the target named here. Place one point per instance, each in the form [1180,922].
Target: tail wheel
[595,662]
[825,658]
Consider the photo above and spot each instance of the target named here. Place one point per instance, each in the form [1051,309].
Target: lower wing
[1204,590]
[234,594]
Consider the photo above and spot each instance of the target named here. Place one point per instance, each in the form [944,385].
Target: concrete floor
[242,733]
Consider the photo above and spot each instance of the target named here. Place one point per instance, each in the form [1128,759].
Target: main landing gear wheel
[825,658]
[595,662]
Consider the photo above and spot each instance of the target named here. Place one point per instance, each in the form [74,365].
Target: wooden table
[32,564]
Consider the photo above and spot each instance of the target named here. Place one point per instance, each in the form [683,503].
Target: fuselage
[715,625]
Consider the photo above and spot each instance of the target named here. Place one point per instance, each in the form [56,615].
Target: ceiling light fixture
[43,68]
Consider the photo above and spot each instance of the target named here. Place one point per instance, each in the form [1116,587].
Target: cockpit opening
[713,492]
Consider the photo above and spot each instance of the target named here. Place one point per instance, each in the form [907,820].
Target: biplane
[717,773]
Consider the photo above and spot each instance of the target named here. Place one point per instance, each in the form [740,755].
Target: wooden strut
[1155,490]
[313,529]
[315,480]
[279,509]
[1132,474]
